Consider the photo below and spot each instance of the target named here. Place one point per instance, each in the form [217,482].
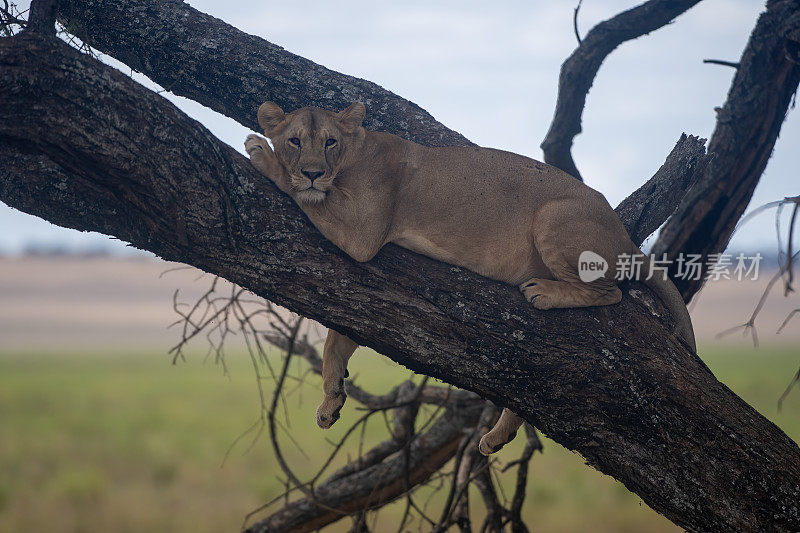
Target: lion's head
[311,144]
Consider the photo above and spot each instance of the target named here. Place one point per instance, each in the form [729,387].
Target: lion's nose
[312,174]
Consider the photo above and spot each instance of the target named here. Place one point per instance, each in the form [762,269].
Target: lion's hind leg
[337,351]
[562,239]
[503,432]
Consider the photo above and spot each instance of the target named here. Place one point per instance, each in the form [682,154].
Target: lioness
[499,214]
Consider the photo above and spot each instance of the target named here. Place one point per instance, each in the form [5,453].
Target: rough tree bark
[239,71]
[764,86]
[85,147]
[651,204]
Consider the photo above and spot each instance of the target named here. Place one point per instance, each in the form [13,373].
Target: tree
[85,147]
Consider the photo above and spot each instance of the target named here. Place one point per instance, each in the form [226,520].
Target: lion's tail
[673,300]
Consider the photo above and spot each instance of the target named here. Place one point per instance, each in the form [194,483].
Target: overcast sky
[489,70]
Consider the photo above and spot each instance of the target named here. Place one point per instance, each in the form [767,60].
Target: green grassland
[130,442]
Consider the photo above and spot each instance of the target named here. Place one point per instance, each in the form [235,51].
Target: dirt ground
[73,303]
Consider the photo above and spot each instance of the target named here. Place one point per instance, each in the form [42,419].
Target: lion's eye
[330,142]
[295,141]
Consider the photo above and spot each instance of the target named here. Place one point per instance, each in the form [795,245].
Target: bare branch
[494,511]
[575,21]
[750,325]
[212,313]
[532,444]
[786,320]
[785,267]
[454,510]
[579,70]
[789,388]
[721,62]
[789,249]
[376,485]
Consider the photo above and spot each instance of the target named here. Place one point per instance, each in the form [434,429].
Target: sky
[490,70]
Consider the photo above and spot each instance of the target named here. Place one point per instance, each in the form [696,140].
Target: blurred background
[100,430]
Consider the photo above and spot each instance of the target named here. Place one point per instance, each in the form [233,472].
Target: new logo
[591,266]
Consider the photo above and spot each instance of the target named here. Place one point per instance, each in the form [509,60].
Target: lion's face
[311,144]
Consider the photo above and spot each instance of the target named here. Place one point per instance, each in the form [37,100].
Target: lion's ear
[269,116]
[352,117]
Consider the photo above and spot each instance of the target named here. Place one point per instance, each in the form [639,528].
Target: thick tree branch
[238,72]
[649,206]
[43,17]
[579,70]
[87,148]
[747,128]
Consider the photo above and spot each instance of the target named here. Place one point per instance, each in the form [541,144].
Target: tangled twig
[410,410]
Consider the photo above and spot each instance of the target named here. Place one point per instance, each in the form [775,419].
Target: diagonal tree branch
[200,57]
[87,148]
[580,68]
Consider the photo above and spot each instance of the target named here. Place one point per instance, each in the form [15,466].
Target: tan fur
[500,214]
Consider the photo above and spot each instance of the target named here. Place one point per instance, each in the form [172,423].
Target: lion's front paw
[254,142]
[328,411]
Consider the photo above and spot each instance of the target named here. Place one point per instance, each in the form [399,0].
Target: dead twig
[789,387]
[223,311]
[786,258]
[733,64]
[12,20]
[532,444]
[575,21]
